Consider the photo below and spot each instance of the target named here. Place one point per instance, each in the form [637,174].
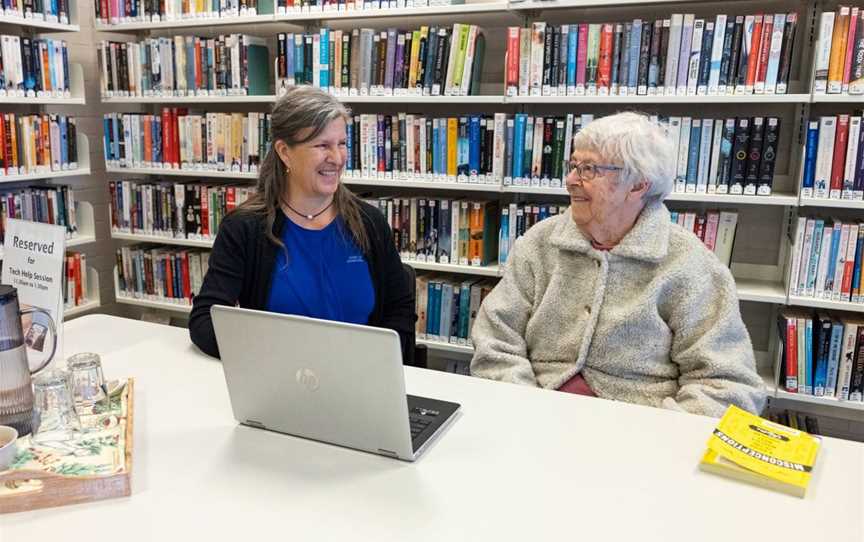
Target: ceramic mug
[8,448]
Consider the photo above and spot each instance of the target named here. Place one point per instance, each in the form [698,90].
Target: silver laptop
[327,381]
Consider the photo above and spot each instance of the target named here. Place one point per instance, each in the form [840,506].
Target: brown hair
[300,108]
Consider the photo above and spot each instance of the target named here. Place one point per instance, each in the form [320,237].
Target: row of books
[74,279]
[794,419]
[826,260]
[679,56]
[36,144]
[714,228]
[52,11]
[179,139]
[284,7]
[446,307]
[129,11]
[33,67]
[451,231]
[822,354]
[180,210]
[227,65]
[435,61]
[725,156]
[834,158]
[160,273]
[517,218]
[839,67]
[722,156]
[48,205]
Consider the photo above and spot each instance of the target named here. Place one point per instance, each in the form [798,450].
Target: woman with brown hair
[304,244]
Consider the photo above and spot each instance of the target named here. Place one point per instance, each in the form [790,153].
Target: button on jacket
[655,320]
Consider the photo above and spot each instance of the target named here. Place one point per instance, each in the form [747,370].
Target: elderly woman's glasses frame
[586,171]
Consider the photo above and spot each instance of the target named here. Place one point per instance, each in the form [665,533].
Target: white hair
[638,144]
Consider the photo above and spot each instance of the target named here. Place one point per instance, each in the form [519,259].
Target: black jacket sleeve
[223,283]
[397,303]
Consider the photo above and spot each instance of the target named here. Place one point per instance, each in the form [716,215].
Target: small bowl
[8,448]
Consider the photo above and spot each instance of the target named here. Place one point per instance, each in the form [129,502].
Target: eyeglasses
[587,172]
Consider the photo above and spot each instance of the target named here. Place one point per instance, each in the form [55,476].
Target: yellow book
[415,59]
[236,140]
[746,447]
[837,61]
[462,50]
[452,145]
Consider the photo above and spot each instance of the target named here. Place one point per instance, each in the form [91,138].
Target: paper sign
[33,256]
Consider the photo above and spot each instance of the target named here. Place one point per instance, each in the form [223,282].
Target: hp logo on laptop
[307,378]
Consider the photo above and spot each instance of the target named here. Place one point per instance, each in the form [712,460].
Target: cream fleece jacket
[653,321]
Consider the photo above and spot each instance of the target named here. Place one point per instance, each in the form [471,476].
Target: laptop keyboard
[420,418]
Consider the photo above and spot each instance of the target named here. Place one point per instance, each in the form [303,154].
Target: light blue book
[436,147]
[693,157]
[504,235]
[446,316]
[519,145]
[834,357]
[832,258]
[635,45]
[349,143]
[813,266]
[572,49]
[324,57]
[289,56]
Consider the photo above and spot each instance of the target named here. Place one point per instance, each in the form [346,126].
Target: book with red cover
[841,140]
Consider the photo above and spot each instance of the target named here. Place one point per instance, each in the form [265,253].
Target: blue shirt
[325,275]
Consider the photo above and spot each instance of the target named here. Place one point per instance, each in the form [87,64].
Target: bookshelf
[760,283]
[627,100]
[91,299]
[198,22]
[39,25]
[83,168]
[76,92]
[201,174]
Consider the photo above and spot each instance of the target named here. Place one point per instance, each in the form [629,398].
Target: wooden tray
[56,480]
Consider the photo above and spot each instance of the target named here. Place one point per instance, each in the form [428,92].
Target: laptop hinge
[254,423]
[388,452]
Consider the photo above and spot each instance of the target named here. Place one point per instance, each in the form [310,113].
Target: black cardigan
[241,268]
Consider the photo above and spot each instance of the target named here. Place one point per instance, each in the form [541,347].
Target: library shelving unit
[760,261]
[86,233]
[91,296]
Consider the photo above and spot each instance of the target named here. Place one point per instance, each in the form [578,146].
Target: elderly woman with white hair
[613,299]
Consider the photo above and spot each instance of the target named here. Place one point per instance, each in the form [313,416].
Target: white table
[519,464]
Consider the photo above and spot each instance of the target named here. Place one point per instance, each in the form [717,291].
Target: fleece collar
[648,240]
